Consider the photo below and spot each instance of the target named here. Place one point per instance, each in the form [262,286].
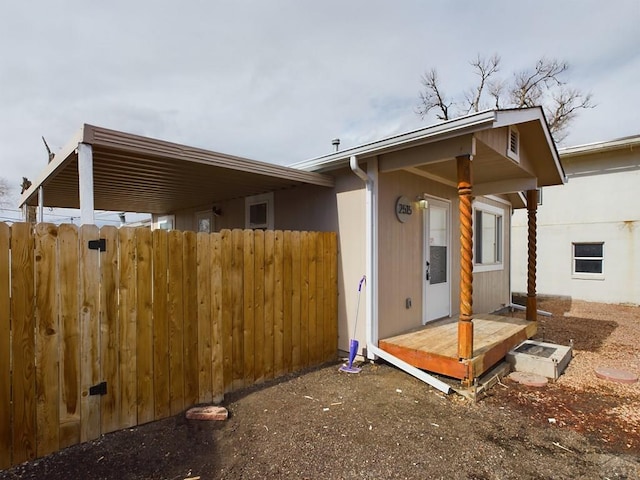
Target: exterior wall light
[422,201]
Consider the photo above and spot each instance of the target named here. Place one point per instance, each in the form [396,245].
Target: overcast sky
[277,80]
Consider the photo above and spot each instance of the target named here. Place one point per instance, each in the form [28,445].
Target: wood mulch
[602,335]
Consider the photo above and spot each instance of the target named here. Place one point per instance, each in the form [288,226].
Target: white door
[436,267]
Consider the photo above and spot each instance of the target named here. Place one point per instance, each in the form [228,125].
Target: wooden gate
[104,329]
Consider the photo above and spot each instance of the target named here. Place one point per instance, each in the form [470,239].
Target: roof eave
[598,147]
[458,126]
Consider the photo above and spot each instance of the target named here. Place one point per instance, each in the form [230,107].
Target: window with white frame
[259,212]
[588,259]
[165,222]
[488,234]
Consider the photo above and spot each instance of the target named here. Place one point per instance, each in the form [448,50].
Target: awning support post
[85,180]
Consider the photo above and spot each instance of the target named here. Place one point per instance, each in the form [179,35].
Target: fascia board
[440,131]
[59,161]
[597,147]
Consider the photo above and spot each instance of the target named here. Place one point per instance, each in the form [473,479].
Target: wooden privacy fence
[105,328]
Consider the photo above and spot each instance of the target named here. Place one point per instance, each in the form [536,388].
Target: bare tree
[542,85]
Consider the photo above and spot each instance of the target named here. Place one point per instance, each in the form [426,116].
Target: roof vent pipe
[336,144]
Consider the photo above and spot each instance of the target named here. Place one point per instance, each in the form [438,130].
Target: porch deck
[434,347]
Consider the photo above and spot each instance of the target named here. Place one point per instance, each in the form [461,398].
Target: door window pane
[437,226]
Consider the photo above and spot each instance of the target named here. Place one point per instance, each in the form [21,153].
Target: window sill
[488,268]
[587,276]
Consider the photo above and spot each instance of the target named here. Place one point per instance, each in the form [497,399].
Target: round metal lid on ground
[616,375]
[529,379]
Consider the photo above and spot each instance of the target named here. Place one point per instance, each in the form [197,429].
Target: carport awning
[139,174]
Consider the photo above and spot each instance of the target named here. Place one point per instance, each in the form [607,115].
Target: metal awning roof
[139,174]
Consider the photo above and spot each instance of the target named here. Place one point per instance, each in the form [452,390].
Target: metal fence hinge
[99,389]
[100,245]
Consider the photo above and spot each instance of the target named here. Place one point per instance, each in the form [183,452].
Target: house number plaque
[404,209]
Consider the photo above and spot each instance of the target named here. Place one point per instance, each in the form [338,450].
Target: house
[589,230]
[424,215]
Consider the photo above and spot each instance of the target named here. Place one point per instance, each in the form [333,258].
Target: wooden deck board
[434,347]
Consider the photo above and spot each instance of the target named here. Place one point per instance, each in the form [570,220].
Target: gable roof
[140,174]
[531,122]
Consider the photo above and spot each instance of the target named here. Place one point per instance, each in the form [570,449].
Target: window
[204,222]
[488,238]
[165,222]
[259,212]
[588,260]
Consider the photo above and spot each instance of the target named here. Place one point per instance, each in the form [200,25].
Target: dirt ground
[383,423]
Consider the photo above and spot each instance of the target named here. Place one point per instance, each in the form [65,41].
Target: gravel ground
[383,423]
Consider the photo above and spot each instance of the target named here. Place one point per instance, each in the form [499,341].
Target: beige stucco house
[589,229]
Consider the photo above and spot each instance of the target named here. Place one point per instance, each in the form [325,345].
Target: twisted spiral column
[465,324]
[532,207]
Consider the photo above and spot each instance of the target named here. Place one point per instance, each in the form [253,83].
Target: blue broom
[353,343]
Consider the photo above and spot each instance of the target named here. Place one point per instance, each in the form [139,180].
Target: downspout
[371,269]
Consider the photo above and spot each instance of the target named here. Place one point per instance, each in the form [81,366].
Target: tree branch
[485,69]
[432,97]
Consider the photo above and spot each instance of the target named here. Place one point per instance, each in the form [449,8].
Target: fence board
[127,288]
[295,302]
[23,324]
[278,304]
[47,336]
[109,332]
[144,326]
[248,283]
[190,312]
[161,395]
[89,269]
[287,290]
[328,316]
[176,323]
[227,321]
[269,299]
[5,350]
[69,286]
[304,299]
[314,356]
[320,291]
[204,318]
[217,371]
[237,329]
[258,305]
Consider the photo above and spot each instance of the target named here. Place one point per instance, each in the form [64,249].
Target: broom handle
[363,280]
